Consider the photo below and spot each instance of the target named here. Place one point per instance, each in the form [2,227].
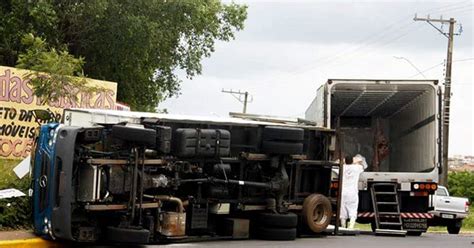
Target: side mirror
[42,115]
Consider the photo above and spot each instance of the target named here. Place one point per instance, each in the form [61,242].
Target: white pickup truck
[448,211]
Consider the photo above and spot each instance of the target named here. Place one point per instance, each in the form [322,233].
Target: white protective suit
[350,189]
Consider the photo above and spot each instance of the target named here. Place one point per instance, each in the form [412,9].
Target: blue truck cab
[43,178]
[52,164]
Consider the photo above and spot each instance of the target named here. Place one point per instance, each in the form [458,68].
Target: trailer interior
[403,116]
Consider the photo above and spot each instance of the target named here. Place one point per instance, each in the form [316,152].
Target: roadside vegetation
[146,46]
[15,213]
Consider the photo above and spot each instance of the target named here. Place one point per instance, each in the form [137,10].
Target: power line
[389,42]
[456,8]
[378,37]
[434,66]
[412,65]
[351,54]
[428,69]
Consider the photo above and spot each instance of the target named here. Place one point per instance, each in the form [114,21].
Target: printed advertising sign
[17,100]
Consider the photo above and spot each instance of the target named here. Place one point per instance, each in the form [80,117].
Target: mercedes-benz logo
[43,181]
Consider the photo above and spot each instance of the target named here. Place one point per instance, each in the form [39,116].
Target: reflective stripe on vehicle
[404,215]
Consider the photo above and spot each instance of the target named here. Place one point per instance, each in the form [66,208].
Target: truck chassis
[167,179]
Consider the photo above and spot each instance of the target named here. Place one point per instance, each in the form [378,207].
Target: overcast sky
[289,48]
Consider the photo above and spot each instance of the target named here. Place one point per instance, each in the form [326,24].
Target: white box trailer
[407,113]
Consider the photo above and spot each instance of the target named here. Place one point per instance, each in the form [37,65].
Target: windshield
[441,192]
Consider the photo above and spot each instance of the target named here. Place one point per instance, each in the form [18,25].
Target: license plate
[447,216]
[415,224]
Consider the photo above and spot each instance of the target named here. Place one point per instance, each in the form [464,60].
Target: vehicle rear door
[443,203]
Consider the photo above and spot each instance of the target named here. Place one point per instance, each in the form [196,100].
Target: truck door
[442,200]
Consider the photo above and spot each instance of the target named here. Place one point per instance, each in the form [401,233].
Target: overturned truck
[142,178]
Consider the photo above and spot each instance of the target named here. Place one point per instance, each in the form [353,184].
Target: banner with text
[17,100]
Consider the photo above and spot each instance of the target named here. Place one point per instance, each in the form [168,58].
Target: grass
[8,178]
[469,221]
[363,227]
[14,212]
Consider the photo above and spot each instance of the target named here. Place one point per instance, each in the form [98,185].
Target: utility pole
[443,180]
[238,95]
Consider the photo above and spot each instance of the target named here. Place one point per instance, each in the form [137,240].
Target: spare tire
[283,133]
[286,220]
[268,233]
[275,147]
[317,212]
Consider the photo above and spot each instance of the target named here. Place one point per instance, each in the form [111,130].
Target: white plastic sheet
[9,193]
[22,168]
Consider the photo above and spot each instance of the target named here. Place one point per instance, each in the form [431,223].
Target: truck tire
[286,220]
[454,227]
[127,235]
[268,233]
[277,147]
[414,233]
[277,133]
[317,212]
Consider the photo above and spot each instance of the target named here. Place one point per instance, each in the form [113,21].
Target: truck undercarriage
[164,180]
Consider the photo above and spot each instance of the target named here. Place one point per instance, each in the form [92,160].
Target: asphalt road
[360,241]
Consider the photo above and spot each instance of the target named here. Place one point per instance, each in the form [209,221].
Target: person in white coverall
[350,188]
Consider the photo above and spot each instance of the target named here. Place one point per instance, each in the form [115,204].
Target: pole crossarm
[430,21]
[237,95]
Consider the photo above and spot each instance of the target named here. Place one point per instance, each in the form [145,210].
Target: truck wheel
[414,233]
[268,233]
[286,220]
[283,133]
[454,227]
[277,147]
[317,212]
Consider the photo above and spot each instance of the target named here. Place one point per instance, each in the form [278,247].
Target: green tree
[141,44]
[461,184]
[64,72]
